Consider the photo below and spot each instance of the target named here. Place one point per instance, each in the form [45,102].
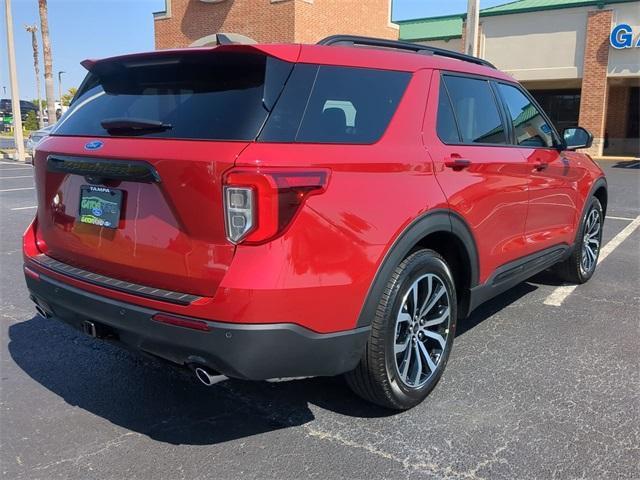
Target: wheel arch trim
[442,220]
[600,182]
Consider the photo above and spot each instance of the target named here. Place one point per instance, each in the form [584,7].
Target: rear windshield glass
[223,96]
[329,104]
[234,96]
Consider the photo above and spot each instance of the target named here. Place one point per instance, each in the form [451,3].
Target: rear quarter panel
[324,264]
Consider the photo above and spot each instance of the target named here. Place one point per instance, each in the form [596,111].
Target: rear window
[235,96]
[224,96]
[329,104]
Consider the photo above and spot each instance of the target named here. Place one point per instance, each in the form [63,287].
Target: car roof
[348,56]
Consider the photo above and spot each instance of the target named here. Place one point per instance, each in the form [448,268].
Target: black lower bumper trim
[115,284]
[248,351]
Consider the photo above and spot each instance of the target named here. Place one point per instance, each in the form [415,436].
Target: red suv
[268,211]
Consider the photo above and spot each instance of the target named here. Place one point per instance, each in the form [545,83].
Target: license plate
[100,206]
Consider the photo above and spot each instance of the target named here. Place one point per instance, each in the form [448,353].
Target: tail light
[259,204]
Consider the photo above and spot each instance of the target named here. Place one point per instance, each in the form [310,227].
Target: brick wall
[269,21]
[320,18]
[262,20]
[593,102]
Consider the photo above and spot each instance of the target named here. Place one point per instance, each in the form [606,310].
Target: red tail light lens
[260,204]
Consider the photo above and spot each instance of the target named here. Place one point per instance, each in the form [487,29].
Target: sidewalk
[618,159]
[9,154]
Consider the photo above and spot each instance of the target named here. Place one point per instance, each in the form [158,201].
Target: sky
[81,29]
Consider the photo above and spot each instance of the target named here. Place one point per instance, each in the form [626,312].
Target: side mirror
[577,137]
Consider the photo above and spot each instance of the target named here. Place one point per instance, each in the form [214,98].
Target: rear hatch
[129,182]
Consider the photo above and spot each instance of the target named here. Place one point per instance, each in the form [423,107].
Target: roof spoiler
[287,52]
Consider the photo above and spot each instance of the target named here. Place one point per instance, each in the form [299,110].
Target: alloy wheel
[591,242]
[422,330]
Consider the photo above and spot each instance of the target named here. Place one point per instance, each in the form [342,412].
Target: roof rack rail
[400,45]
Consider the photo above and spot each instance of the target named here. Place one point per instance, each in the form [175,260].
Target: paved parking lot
[543,382]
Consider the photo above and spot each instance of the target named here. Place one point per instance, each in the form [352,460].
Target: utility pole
[471,28]
[13,76]
[48,63]
[60,87]
[36,65]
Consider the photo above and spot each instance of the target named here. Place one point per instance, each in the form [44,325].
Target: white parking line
[559,295]
[11,163]
[24,208]
[16,189]
[21,176]
[626,219]
[18,168]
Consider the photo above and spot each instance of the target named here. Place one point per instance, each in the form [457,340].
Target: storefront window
[562,106]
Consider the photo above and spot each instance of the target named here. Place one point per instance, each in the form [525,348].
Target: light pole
[471,28]
[60,89]
[15,94]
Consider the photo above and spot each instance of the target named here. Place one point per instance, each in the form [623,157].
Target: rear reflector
[31,274]
[181,322]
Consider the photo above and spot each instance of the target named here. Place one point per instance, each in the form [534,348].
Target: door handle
[457,163]
[539,165]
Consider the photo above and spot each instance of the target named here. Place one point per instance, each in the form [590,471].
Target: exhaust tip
[207,377]
[41,312]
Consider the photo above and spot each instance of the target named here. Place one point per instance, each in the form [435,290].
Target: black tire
[572,269]
[377,378]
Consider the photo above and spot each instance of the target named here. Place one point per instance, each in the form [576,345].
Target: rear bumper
[248,351]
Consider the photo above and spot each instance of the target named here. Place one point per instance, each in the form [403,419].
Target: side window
[529,126]
[446,124]
[476,110]
[329,104]
[351,105]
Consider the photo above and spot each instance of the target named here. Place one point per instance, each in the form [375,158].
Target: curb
[9,156]
[617,159]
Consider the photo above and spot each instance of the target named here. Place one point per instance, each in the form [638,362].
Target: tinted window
[284,121]
[561,106]
[446,124]
[529,126]
[476,110]
[330,104]
[210,96]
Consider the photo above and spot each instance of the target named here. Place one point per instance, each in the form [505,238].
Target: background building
[562,52]
[189,22]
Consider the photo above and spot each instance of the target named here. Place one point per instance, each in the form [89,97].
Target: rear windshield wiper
[134,125]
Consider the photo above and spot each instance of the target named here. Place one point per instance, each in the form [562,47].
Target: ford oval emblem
[95,145]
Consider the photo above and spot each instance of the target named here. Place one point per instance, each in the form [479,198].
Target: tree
[32,29]
[48,62]
[43,103]
[67,97]
[31,123]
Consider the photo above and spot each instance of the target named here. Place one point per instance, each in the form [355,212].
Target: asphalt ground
[532,390]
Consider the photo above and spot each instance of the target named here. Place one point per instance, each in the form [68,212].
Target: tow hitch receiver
[90,329]
[98,330]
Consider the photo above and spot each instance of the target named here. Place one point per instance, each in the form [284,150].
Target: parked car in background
[268,211]
[60,109]
[35,137]
[25,108]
